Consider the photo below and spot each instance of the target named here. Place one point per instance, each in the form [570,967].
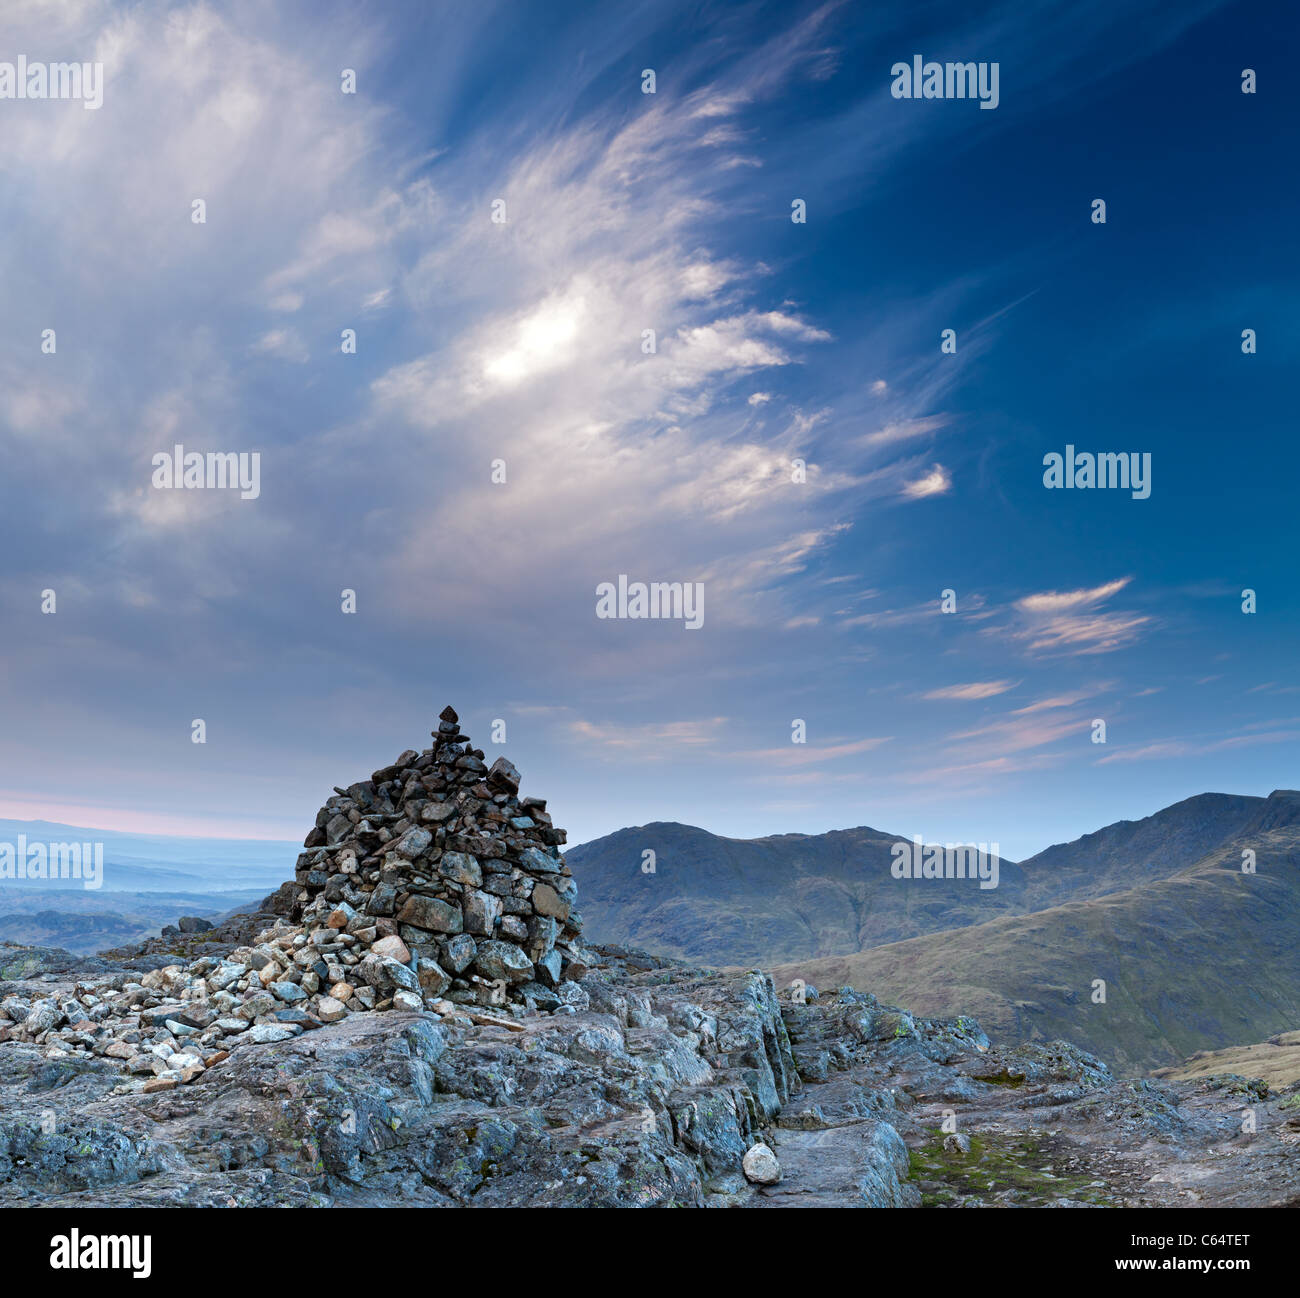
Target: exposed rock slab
[647,1088]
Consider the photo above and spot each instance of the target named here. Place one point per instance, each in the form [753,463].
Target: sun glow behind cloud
[542,341]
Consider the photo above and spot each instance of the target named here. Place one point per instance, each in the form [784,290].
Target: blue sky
[775,341]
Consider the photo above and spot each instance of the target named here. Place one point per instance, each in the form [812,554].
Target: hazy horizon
[294,844]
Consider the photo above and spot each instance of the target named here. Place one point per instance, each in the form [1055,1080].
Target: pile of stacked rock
[457,877]
[429,887]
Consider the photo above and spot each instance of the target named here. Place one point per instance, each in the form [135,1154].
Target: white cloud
[813,754]
[1059,601]
[656,741]
[974,690]
[1185,748]
[935,483]
[1069,622]
[904,430]
[284,343]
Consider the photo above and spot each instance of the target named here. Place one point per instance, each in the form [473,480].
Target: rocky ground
[650,1084]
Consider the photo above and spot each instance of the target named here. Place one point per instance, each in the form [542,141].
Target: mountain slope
[763,900]
[1131,852]
[1200,960]
[798,896]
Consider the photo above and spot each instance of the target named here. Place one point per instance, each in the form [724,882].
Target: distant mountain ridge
[800,896]
[1131,851]
[1194,954]
[761,900]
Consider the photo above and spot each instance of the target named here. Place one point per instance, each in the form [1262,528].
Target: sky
[500,213]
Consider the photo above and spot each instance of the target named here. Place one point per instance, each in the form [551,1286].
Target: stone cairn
[435,860]
[429,888]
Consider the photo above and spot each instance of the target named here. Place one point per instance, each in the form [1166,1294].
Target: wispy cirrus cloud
[1062,601]
[1013,734]
[1058,701]
[1072,622]
[973,607]
[797,755]
[653,741]
[1184,748]
[904,430]
[971,691]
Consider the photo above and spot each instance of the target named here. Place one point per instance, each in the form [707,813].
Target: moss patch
[1004,1168]
[1004,1078]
